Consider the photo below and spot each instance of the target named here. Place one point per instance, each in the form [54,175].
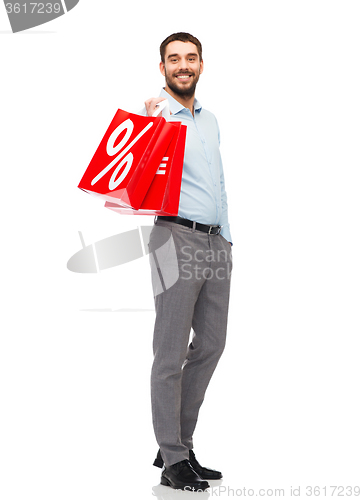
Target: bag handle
[164,107]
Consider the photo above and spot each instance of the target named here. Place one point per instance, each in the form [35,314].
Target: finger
[156,104]
[155,100]
[151,104]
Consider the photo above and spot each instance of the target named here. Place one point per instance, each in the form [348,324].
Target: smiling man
[200,297]
[181,81]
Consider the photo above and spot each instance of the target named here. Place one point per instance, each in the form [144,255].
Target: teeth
[183,76]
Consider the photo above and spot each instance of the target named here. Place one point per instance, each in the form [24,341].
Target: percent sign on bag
[163,195]
[136,145]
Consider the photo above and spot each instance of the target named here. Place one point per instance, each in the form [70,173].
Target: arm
[224,220]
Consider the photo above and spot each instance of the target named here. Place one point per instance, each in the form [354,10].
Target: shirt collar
[175,106]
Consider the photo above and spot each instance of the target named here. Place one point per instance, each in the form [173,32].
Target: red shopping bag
[125,163]
[163,196]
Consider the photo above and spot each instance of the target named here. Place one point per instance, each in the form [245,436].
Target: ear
[201,66]
[162,68]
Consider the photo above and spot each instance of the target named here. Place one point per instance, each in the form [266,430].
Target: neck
[186,101]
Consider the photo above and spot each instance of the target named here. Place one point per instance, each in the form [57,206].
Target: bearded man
[200,238]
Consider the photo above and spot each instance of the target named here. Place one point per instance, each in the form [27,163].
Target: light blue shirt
[203,196]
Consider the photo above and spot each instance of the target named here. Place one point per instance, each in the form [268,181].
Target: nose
[184,66]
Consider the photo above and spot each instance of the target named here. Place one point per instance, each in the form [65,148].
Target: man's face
[182,67]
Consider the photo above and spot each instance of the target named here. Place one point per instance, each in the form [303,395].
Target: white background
[283,408]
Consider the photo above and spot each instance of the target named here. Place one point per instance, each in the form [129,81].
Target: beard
[183,90]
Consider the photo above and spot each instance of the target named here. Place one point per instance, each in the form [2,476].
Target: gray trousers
[191,282]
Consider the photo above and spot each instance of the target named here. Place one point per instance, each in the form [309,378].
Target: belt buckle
[218,229]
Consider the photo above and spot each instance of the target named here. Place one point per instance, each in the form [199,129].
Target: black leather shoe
[181,476]
[203,472]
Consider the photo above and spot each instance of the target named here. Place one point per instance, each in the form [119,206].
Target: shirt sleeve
[224,219]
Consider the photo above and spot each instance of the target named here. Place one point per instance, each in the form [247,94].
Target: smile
[183,77]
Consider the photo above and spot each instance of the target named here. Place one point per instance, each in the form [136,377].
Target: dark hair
[182,37]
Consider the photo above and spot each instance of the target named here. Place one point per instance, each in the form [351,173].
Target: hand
[151,104]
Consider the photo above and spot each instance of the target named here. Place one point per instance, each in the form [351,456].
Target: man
[199,299]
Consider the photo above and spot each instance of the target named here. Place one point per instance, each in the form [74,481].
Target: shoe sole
[166,482]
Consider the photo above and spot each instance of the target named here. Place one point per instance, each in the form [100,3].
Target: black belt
[194,225]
